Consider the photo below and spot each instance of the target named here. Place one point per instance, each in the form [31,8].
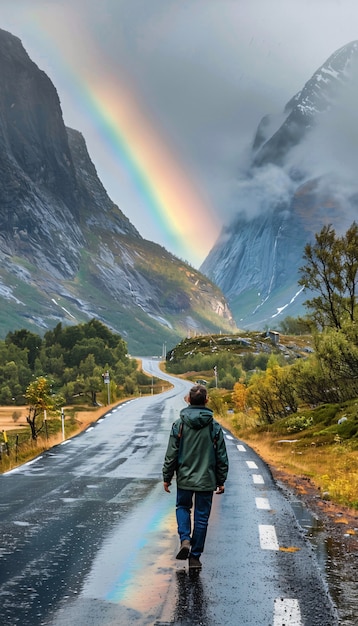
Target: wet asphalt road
[88,536]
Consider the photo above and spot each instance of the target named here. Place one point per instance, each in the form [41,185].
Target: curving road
[89,536]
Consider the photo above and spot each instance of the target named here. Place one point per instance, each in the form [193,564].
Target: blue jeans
[202,508]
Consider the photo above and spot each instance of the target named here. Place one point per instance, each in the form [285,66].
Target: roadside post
[45,420]
[6,442]
[63,423]
[106,380]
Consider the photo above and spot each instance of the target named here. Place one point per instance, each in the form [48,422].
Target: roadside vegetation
[296,431]
[294,396]
[69,370]
[290,392]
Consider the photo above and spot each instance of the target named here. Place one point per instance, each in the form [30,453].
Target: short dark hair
[198,395]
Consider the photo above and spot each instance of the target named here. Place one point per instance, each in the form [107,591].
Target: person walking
[196,453]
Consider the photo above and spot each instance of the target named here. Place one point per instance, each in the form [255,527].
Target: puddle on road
[133,567]
[331,557]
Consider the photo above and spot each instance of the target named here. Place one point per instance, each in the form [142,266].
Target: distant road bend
[89,536]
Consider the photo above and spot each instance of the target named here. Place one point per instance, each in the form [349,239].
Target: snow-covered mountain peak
[305,109]
[302,176]
[319,92]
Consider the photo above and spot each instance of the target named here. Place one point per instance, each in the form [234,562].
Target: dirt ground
[14,417]
[11,417]
[342,521]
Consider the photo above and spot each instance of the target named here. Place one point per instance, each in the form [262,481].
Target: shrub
[297,423]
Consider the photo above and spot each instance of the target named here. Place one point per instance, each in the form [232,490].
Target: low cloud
[331,147]
[328,153]
[269,187]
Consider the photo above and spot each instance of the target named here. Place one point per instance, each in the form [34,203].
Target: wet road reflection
[331,555]
[191,601]
[90,536]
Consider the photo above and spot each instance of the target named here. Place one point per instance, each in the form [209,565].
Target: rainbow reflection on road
[135,563]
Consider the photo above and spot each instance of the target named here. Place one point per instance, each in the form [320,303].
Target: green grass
[324,451]
[170,281]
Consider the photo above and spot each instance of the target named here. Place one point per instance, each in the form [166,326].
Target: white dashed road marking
[268,537]
[262,503]
[258,479]
[287,612]
[251,465]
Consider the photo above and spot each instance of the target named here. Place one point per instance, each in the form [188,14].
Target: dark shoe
[195,563]
[184,550]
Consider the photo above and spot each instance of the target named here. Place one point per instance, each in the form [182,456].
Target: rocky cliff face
[67,252]
[299,178]
[303,111]
[38,191]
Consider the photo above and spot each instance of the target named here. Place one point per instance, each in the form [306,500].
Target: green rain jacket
[196,451]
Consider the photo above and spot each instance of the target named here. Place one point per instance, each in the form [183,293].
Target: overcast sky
[198,75]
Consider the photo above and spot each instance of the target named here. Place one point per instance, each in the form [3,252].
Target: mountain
[303,111]
[300,176]
[67,252]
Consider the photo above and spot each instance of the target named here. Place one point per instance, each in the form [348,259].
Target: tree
[310,381]
[295,326]
[331,271]
[338,355]
[74,357]
[350,268]
[93,384]
[87,365]
[282,383]
[24,339]
[38,396]
[228,381]
[248,361]
[15,371]
[239,396]
[130,385]
[261,397]
[272,393]
[96,329]
[5,394]
[217,403]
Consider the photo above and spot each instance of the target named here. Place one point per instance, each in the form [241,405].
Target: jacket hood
[196,417]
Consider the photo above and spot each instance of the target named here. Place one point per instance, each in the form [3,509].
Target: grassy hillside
[135,287]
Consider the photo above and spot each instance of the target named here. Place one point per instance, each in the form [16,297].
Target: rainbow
[162,186]
[169,195]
